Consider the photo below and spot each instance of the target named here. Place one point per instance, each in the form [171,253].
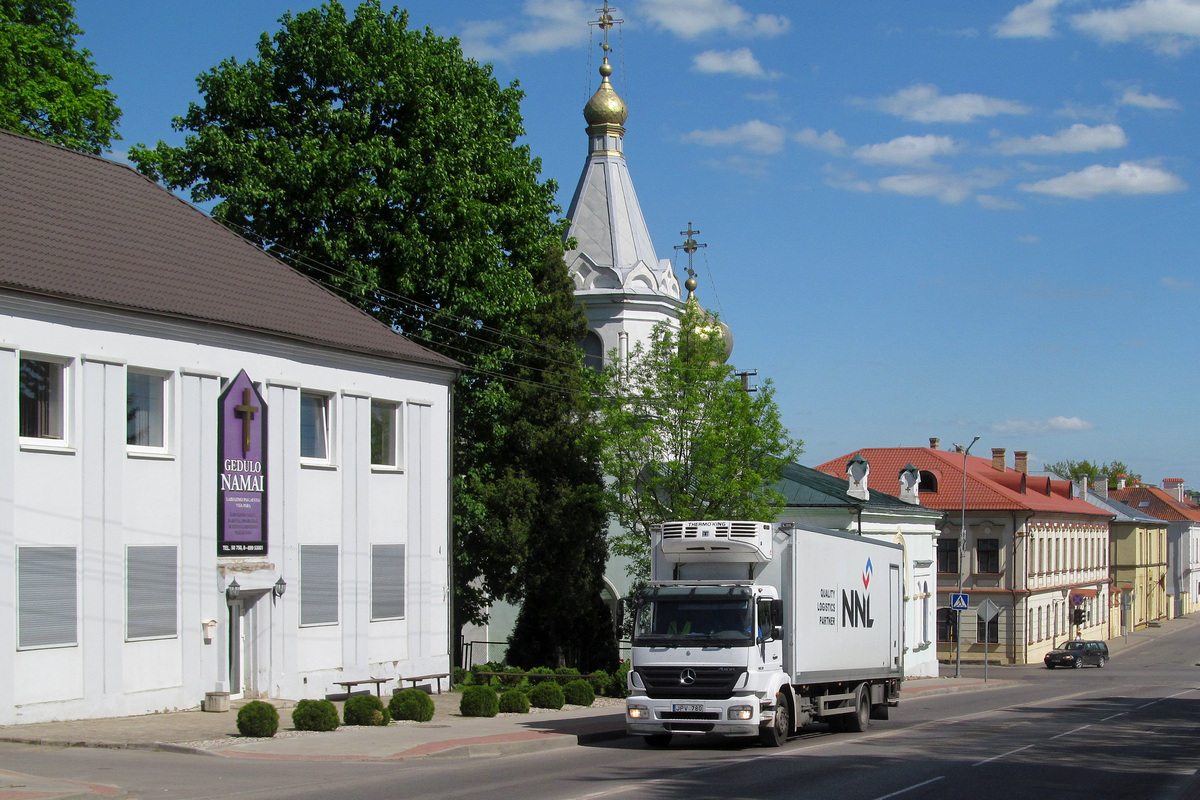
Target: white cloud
[1055,424]
[997,203]
[756,136]
[913,150]
[693,18]
[740,62]
[1171,27]
[947,187]
[1128,178]
[1075,139]
[1029,238]
[1179,284]
[925,103]
[828,141]
[1034,20]
[1134,97]
[546,25]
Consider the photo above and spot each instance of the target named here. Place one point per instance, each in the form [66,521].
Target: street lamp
[962,543]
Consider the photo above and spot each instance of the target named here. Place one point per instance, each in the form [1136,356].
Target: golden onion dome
[606,107]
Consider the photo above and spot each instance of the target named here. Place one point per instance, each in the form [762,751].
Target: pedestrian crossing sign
[958,602]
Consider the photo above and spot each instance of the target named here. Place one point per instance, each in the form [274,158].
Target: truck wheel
[776,734]
[658,740]
[861,718]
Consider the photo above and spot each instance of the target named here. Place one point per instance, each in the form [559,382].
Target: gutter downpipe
[1013,586]
[452,634]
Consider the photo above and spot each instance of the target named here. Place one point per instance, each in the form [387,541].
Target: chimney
[1120,481]
[998,458]
[910,479]
[1174,487]
[1022,460]
[1081,486]
[934,442]
[857,470]
[1101,486]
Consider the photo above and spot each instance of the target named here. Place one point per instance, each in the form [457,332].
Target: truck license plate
[688,708]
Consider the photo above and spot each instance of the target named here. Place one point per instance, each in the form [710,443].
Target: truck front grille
[690,683]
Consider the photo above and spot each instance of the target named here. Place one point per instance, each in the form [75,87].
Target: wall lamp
[280,587]
[233,591]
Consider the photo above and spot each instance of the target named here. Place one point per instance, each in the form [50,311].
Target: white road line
[1068,733]
[1147,705]
[1114,716]
[910,788]
[1002,755]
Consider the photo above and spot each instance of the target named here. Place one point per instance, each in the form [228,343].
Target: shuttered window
[47,597]
[318,584]
[151,592]
[387,581]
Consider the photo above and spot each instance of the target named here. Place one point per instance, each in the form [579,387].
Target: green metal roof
[806,488]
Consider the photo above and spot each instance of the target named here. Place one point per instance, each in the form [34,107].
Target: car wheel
[1100,663]
[1078,663]
[777,732]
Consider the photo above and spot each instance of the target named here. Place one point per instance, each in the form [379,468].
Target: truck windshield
[669,617]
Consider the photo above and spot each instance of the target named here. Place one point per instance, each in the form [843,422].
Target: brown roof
[1157,503]
[80,228]
[987,487]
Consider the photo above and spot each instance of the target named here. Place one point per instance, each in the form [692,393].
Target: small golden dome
[606,107]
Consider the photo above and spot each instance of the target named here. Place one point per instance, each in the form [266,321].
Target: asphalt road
[1129,730]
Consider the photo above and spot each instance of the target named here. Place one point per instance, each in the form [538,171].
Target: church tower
[624,288]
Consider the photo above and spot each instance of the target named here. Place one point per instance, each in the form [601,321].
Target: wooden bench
[349,685]
[434,676]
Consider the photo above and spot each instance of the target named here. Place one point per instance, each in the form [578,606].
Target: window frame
[324,588]
[167,597]
[396,440]
[383,556]
[164,412]
[987,632]
[944,552]
[990,554]
[61,404]
[63,593]
[328,427]
[946,624]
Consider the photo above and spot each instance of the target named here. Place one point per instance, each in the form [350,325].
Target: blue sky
[923,219]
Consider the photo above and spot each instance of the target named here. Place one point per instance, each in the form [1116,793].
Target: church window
[314,426]
[387,581]
[929,481]
[151,592]
[385,434]
[318,584]
[47,592]
[593,351]
[42,399]
[145,410]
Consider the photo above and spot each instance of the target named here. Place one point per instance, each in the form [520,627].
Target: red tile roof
[79,228]
[987,487]
[1159,504]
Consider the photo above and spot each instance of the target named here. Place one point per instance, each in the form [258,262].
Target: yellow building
[1138,559]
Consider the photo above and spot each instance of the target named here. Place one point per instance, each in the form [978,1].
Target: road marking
[1068,733]
[1002,755]
[1114,716]
[1147,705]
[910,788]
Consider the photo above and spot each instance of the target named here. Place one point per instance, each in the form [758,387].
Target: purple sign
[241,470]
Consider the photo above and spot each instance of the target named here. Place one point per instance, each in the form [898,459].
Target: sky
[935,219]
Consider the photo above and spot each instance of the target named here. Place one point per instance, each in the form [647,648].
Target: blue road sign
[958,602]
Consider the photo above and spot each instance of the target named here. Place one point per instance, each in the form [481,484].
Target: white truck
[756,629]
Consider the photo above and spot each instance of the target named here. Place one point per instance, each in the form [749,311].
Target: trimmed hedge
[547,695]
[257,719]
[411,704]
[579,693]
[479,701]
[514,701]
[365,709]
[315,715]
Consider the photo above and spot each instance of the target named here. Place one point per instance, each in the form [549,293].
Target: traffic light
[1077,616]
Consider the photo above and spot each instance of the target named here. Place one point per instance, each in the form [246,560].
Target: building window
[593,351]
[314,426]
[387,581]
[988,631]
[46,597]
[987,556]
[151,592]
[946,620]
[925,612]
[43,399]
[929,482]
[318,584]
[145,410]
[385,434]
[947,555]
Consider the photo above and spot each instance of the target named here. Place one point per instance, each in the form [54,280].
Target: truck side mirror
[777,632]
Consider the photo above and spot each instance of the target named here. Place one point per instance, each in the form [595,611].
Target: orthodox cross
[690,246]
[245,412]
[605,22]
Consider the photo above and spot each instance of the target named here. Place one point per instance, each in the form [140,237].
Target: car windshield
[713,616]
[1073,646]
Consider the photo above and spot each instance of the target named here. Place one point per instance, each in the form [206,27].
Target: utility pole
[746,376]
[962,544]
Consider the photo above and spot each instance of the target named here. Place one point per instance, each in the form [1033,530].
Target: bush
[411,704]
[315,715]
[540,675]
[620,681]
[479,701]
[600,681]
[514,701]
[365,709]
[566,675]
[258,719]
[547,695]
[579,693]
[460,676]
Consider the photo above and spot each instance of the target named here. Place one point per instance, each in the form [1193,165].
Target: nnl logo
[856,605]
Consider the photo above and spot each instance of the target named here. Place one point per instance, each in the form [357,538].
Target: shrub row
[482,700]
[260,719]
[601,682]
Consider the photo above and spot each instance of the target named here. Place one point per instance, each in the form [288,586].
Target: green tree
[554,490]
[48,88]
[376,158]
[1071,470]
[684,440]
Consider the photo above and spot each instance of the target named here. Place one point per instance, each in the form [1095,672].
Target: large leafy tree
[378,159]
[1076,469]
[684,439]
[554,490]
[48,88]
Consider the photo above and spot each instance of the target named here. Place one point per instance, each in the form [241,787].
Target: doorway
[246,636]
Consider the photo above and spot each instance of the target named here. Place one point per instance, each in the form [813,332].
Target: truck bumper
[737,716]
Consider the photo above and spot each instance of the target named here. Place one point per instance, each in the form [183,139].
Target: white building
[165,531]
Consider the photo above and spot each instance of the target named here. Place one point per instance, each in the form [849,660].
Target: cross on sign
[245,412]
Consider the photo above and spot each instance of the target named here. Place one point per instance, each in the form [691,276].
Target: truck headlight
[740,713]
[637,712]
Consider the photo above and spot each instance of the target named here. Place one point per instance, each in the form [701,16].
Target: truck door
[895,617]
